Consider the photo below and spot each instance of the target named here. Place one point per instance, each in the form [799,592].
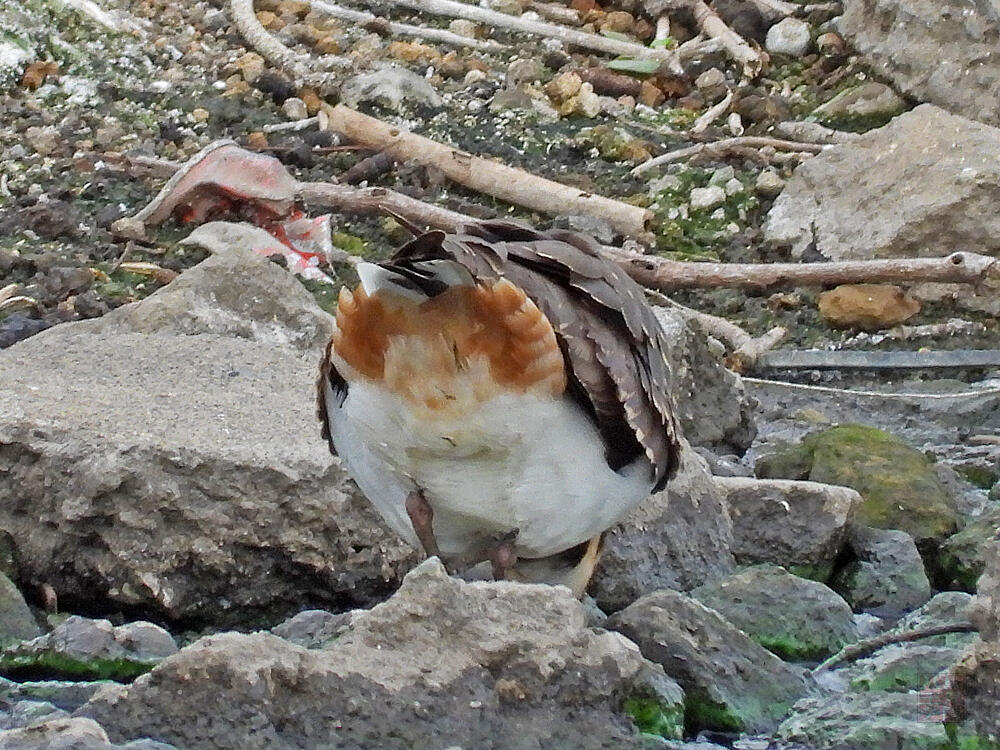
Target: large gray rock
[976,678]
[167,456]
[730,682]
[63,732]
[963,555]
[714,409]
[16,621]
[792,617]
[677,539]
[442,662]
[946,608]
[926,184]
[939,52]
[867,721]
[886,577]
[799,525]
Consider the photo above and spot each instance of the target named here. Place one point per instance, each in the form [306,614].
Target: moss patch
[47,665]
[654,717]
[701,712]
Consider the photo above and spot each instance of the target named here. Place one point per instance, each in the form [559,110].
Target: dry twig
[516,23]
[662,273]
[744,347]
[301,67]
[720,148]
[871,645]
[556,12]
[813,132]
[362,18]
[485,176]
[708,20]
[713,113]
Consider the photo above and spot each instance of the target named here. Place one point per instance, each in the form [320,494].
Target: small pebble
[294,108]
[463,28]
[707,197]
[789,36]
[199,114]
[733,186]
[768,184]
[722,175]
[711,83]
[474,76]
[564,86]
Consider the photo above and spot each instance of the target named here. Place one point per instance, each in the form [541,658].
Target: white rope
[877,394]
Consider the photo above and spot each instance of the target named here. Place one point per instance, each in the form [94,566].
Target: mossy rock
[961,559]
[902,667]
[897,481]
[792,617]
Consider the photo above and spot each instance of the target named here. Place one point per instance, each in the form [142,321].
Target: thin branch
[813,132]
[300,67]
[745,357]
[665,274]
[539,28]
[871,645]
[376,200]
[713,113]
[715,28]
[724,330]
[776,8]
[556,12]
[362,18]
[718,148]
[486,176]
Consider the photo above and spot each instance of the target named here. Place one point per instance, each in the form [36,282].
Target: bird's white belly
[516,462]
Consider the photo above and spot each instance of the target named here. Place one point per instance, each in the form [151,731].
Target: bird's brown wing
[612,342]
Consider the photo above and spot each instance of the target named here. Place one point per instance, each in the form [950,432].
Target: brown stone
[312,100]
[650,95]
[618,21]
[563,87]
[414,52]
[870,307]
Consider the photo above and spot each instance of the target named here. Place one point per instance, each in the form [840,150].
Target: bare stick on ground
[744,347]
[813,132]
[745,357]
[713,113]
[871,645]
[666,274]
[516,23]
[727,145]
[301,67]
[361,18]
[486,176]
[751,60]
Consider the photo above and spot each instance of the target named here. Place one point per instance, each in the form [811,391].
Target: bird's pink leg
[422,517]
[503,558]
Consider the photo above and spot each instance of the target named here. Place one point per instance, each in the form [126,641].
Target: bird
[500,394]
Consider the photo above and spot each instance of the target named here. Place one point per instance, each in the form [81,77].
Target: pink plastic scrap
[224,180]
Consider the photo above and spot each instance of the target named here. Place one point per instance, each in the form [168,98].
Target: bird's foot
[502,556]
[422,517]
